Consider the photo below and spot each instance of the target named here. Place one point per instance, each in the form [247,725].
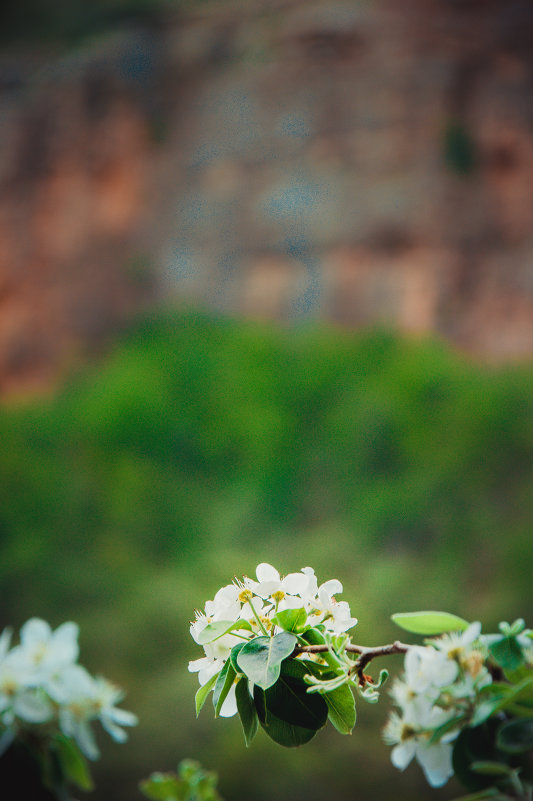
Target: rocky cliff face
[363,162]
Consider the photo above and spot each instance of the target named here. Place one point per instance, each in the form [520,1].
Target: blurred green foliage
[203,446]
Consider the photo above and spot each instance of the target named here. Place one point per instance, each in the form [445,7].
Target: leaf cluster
[290,698]
[190,783]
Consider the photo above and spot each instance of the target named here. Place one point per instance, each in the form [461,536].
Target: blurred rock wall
[362,162]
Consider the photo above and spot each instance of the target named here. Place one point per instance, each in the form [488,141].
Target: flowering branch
[278,652]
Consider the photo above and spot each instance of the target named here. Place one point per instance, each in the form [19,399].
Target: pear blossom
[41,682]
[269,582]
[255,603]
[410,735]
[457,644]
[428,670]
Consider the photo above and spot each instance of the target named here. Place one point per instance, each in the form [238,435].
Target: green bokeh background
[202,446]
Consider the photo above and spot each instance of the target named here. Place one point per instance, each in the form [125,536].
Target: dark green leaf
[203,692]
[233,656]
[247,710]
[287,712]
[475,745]
[260,659]
[223,685]
[429,623]
[516,736]
[507,652]
[341,708]
[488,768]
[291,619]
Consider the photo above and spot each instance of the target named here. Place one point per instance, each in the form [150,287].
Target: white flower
[225,605]
[269,582]
[45,651]
[410,734]
[428,670]
[456,645]
[18,697]
[335,615]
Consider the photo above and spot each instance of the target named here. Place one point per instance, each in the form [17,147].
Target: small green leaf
[488,768]
[260,659]
[247,711]
[203,692]
[341,708]
[507,652]
[213,631]
[516,736]
[429,623]
[163,787]
[223,685]
[293,620]
[73,762]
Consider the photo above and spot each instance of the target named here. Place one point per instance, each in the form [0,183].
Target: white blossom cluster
[439,684]
[43,687]
[257,602]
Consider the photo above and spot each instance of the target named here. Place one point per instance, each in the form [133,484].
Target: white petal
[472,633]
[85,739]
[295,583]
[208,672]
[436,762]
[65,642]
[265,588]
[229,707]
[118,734]
[32,708]
[266,572]
[5,642]
[35,631]
[122,716]
[331,587]
[199,664]
[402,754]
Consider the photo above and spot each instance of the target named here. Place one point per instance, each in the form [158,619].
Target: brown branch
[367,653]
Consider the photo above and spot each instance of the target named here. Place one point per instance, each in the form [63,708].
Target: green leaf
[73,762]
[234,654]
[287,734]
[287,712]
[164,787]
[213,631]
[516,736]
[203,692]
[341,708]
[489,792]
[429,623]
[488,768]
[476,745]
[507,652]
[223,685]
[440,731]
[291,619]
[260,659]
[247,710]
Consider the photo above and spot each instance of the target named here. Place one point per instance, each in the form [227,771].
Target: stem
[258,619]
[367,654]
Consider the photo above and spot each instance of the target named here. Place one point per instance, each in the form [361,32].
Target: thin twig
[367,653]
